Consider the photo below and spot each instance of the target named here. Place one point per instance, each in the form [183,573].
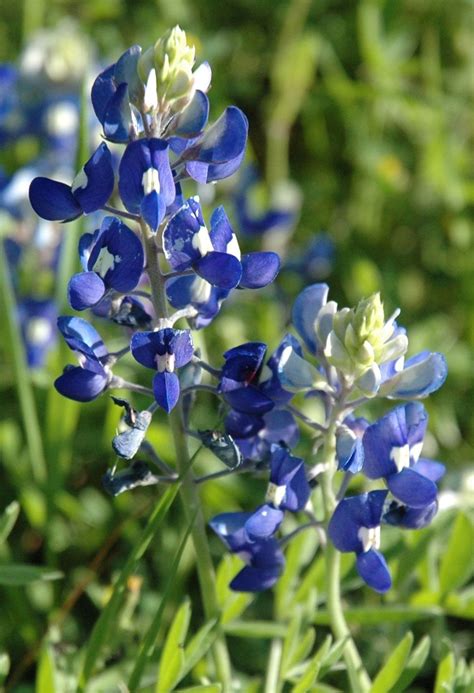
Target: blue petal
[230,527]
[118,116]
[410,518]
[53,200]
[225,139]
[255,579]
[179,234]
[123,265]
[349,451]
[80,336]
[219,269]
[240,425]
[373,569]
[85,290]
[412,488]
[197,170]
[422,375]
[139,157]
[352,513]
[166,390]
[259,269]
[102,91]
[221,233]
[219,171]
[100,181]
[264,522]
[153,209]
[305,311]
[289,471]
[81,384]
[144,347]
[181,345]
[249,400]
[429,469]
[126,71]
[191,121]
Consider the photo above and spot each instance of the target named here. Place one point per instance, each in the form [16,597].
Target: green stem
[358,677]
[273,669]
[188,491]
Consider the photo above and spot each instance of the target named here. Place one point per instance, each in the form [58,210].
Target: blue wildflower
[37,318]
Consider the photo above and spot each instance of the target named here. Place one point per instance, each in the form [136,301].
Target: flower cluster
[153,253]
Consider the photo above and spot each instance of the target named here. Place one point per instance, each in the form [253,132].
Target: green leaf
[310,675]
[232,604]
[303,647]
[414,665]
[172,657]
[46,672]
[393,667]
[22,574]
[199,645]
[457,564]
[209,688]
[256,629]
[147,645]
[108,617]
[445,674]
[366,616]
[333,656]
[8,519]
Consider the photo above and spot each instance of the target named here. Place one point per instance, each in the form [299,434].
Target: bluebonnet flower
[164,351]
[112,258]
[89,191]
[401,515]
[264,559]
[240,375]
[355,526]
[256,435]
[349,446]
[392,448]
[37,318]
[87,381]
[146,182]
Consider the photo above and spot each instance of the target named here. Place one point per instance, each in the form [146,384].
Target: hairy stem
[188,491]
[358,677]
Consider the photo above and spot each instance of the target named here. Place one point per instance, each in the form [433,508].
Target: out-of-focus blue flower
[264,559]
[164,351]
[146,182]
[112,258]
[355,526]
[87,381]
[392,448]
[37,318]
[89,191]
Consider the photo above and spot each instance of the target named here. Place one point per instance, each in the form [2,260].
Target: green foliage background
[367,106]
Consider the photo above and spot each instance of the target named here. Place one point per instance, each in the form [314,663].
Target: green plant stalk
[188,491]
[358,677]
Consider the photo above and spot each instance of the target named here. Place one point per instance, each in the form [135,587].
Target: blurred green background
[366,107]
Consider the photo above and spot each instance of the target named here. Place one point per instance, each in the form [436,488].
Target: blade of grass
[148,643]
[108,616]
[23,384]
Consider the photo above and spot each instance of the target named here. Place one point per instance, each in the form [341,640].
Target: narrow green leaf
[414,665]
[232,604]
[309,677]
[445,674]
[457,564]
[107,618]
[393,667]
[290,642]
[22,379]
[46,672]
[17,574]
[256,629]
[172,657]
[8,519]
[303,647]
[199,645]
[365,616]
[147,645]
[209,688]
[333,656]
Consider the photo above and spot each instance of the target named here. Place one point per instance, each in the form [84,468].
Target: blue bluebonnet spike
[37,318]
[392,448]
[288,488]
[87,381]
[89,191]
[264,559]
[256,435]
[114,259]
[240,379]
[146,183]
[164,351]
[409,518]
[355,526]
[305,312]
[415,378]
[349,446]
[218,152]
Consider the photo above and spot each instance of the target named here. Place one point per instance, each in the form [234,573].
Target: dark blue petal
[289,472]
[221,231]
[373,569]
[86,242]
[117,256]
[53,200]
[197,170]
[352,513]
[219,269]
[305,311]
[81,384]
[259,269]
[255,579]
[264,522]
[80,336]
[153,209]
[230,527]
[240,425]
[242,364]
[85,290]
[217,172]
[181,345]
[144,347]
[102,91]
[166,390]
[126,71]
[410,518]
[412,488]
[181,234]
[224,140]
[118,116]
[249,400]
[191,121]
[429,469]
[97,181]
[146,157]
